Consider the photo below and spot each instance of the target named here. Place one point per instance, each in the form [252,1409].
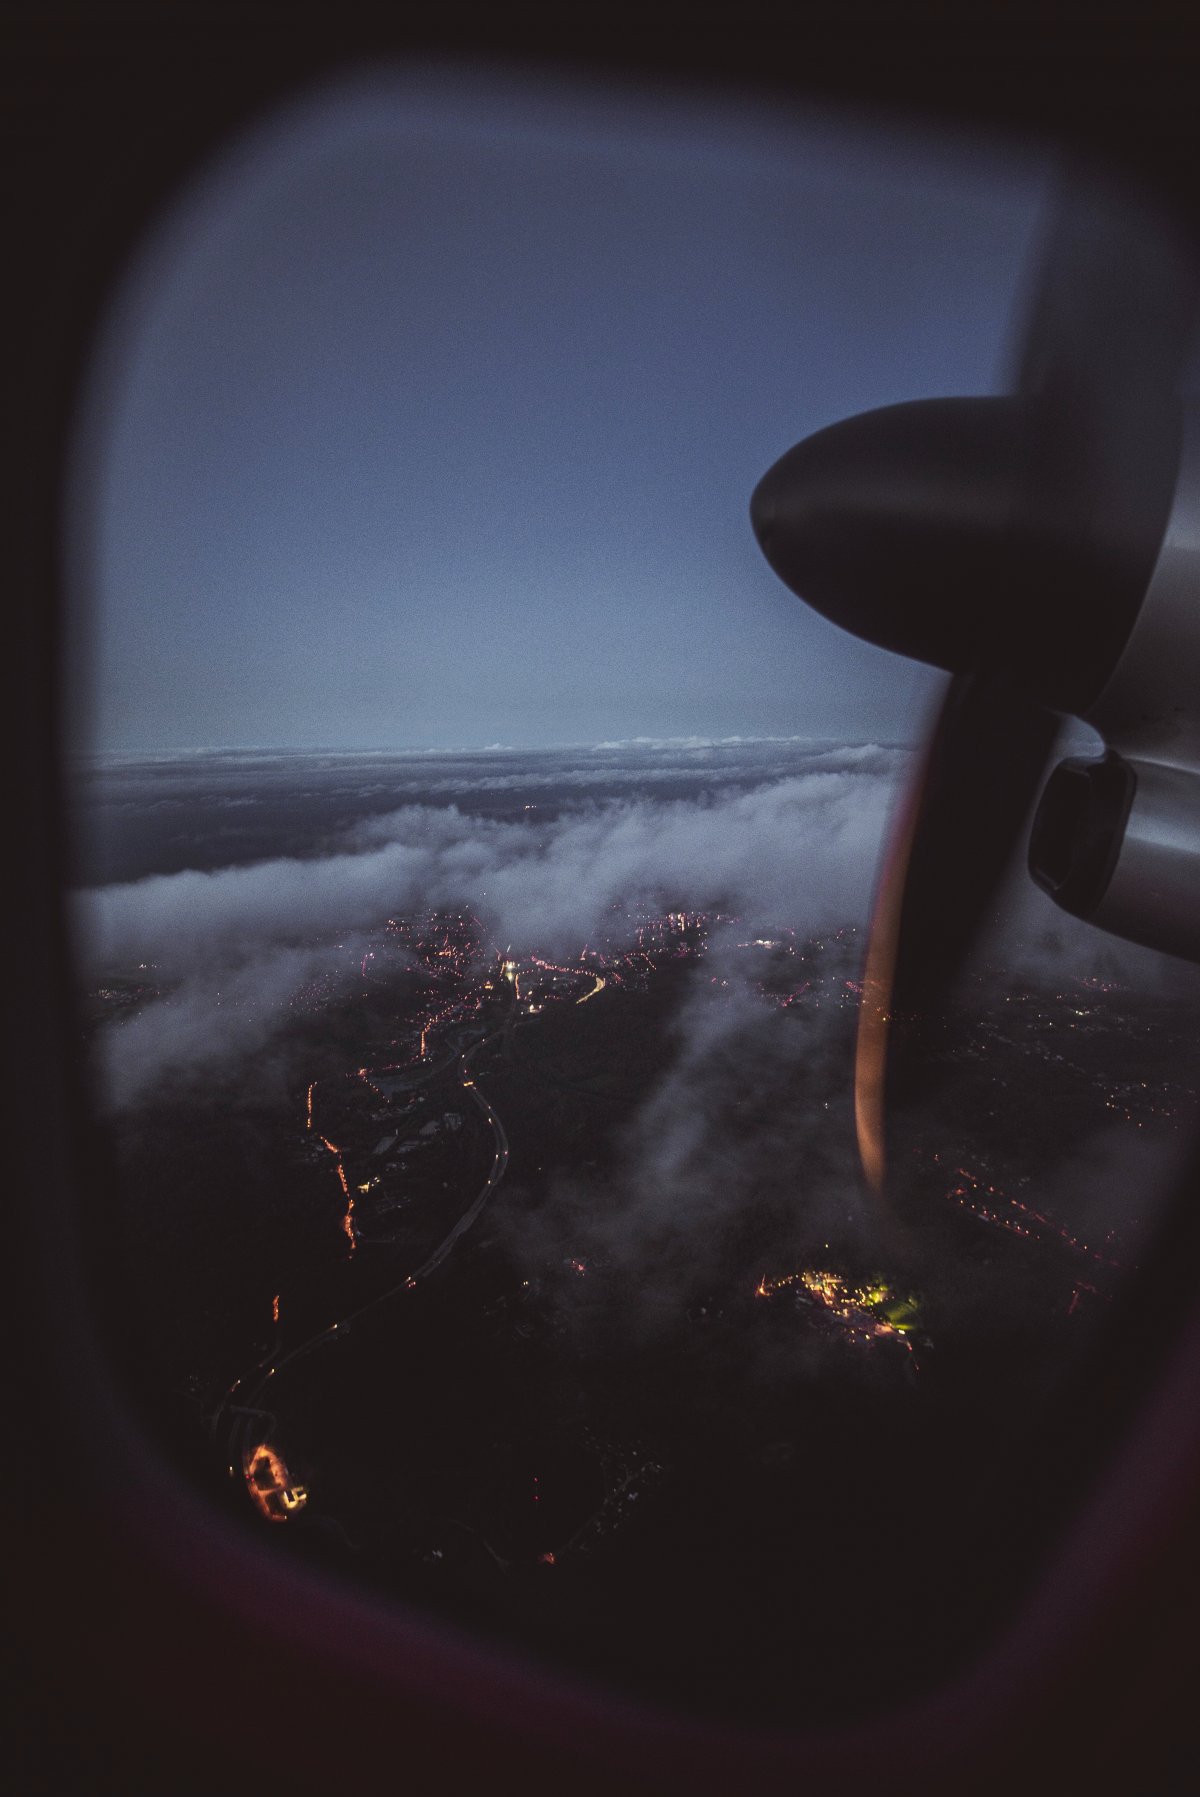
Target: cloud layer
[799,850]
[744,1147]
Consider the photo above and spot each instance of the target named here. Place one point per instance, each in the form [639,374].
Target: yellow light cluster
[892,1314]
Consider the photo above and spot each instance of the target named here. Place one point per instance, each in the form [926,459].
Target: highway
[499,1166]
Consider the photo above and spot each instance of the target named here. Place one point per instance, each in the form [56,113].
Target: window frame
[163,1643]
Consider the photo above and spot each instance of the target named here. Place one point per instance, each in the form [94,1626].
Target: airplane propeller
[1010,541]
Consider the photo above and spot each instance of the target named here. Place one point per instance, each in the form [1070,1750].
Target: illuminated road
[499,1165]
[253,1389]
[246,1408]
[247,1399]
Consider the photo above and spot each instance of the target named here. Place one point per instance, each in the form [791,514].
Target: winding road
[245,1398]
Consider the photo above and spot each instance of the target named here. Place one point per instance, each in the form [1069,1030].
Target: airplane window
[475,848]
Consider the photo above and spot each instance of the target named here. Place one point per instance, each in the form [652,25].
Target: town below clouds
[778,834]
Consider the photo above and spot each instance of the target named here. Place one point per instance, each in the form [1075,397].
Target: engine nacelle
[1117,840]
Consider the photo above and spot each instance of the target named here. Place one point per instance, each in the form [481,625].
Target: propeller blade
[1104,349]
[1009,541]
[984,768]
[951,845]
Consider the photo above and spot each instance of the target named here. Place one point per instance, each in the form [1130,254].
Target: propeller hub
[980,535]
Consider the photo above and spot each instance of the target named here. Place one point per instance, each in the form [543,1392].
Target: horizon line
[496,748]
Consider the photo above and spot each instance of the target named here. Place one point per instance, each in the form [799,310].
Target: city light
[399,1141]
[270,1485]
[871,1310]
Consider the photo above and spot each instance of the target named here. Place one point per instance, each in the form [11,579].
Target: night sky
[432,415]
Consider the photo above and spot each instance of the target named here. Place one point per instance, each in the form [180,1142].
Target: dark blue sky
[432,415]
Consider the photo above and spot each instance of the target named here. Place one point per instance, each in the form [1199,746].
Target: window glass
[475,848]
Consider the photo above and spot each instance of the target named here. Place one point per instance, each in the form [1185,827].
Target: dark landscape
[535,1280]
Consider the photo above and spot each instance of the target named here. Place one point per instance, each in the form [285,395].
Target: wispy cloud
[214,1019]
[746,1139]
[800,850]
